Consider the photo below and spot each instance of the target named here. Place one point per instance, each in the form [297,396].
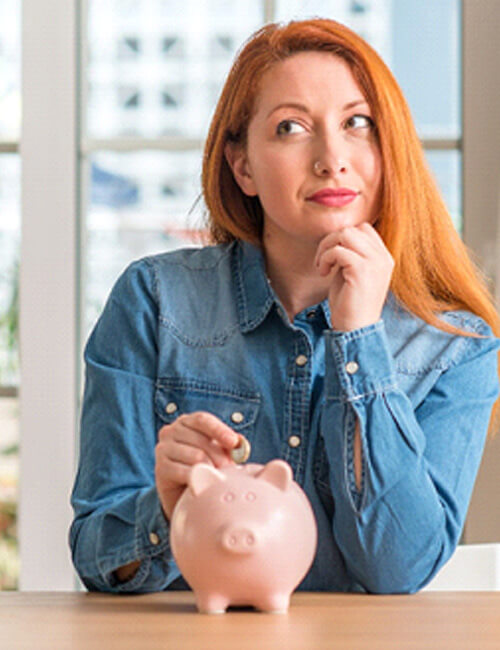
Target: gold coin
[241,453]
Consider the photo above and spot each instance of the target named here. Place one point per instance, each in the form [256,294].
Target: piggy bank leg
[210,603]
[274,603]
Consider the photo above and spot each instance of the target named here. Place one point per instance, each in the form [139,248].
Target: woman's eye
[360,121]
[286,127]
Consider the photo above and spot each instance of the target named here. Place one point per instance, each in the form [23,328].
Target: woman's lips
[333,198]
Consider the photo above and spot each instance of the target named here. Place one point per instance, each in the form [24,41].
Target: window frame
[49,310]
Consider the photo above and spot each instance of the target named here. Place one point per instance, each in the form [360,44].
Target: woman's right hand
[193,438]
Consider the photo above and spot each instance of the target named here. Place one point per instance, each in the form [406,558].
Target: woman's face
[307,136]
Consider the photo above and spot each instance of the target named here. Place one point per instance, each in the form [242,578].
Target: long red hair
[434,272]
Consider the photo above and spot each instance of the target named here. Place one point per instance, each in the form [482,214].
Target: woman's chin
[339,221]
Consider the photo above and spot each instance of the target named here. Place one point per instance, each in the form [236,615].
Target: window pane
[420,42]
[10,77]
[9,264]
[10,118]
[155,66]
[447,168]
[140,203]
[9,476]
[9,367]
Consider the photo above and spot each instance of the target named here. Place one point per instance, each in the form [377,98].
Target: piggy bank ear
[278,473]
[202,476]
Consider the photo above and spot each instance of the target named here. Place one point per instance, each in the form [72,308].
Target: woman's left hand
[361,268]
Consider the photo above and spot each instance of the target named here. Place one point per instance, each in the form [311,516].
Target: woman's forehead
[304,77]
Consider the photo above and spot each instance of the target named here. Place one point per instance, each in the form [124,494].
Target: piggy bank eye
[250,496]
[228,497]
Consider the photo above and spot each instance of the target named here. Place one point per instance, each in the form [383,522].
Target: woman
[338,324]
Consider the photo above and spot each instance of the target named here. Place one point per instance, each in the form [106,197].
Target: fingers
[187,443]
[352,245]
[193,438]
[170,474]
[360,267]
[198,437]
[362,239]
[211,427]
[189,453]
[341,249]
[337,257]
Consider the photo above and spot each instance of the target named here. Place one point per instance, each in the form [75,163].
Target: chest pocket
[237,409]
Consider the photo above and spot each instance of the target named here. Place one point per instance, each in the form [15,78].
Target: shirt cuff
[358,363]
[151,542]
[152,529]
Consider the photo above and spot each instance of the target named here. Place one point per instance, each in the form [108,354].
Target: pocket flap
[238,409]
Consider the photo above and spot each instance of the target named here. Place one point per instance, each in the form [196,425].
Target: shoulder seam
[166,258]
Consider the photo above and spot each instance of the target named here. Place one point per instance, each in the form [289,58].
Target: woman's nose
[330,159]
[323,168]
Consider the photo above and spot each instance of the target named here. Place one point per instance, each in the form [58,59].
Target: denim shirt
[202,330]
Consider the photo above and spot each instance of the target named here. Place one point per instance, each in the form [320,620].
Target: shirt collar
[254,296]
[325,306]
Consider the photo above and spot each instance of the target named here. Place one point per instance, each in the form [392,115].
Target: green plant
[9,330]
[9,552]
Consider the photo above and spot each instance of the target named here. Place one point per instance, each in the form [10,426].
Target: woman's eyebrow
[356,102]
[300,107]
[305,109]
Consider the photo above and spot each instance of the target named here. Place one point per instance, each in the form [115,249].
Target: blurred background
[139,91]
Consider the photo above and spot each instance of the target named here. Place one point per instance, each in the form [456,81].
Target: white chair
[473,567]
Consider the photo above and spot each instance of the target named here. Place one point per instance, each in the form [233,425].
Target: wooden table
[437,620]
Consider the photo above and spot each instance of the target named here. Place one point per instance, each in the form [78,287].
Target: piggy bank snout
[241,540]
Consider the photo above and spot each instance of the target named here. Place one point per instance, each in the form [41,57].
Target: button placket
[296,423]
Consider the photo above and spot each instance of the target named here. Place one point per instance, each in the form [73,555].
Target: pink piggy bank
[243,535]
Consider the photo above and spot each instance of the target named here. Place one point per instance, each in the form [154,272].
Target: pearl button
[351,367]
[171,407]
[154,539]
[301,360]
[237,417]
[294,441]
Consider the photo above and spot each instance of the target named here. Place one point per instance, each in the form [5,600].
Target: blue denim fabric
[202,328]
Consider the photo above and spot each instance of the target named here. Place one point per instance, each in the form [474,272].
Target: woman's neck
[295,279]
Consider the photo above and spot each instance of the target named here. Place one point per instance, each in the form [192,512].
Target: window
[152,76]
[150,86]
[420,42]
[10,226]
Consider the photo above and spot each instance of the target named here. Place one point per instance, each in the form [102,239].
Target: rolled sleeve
[151,546]
[118,517]
[418,465]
